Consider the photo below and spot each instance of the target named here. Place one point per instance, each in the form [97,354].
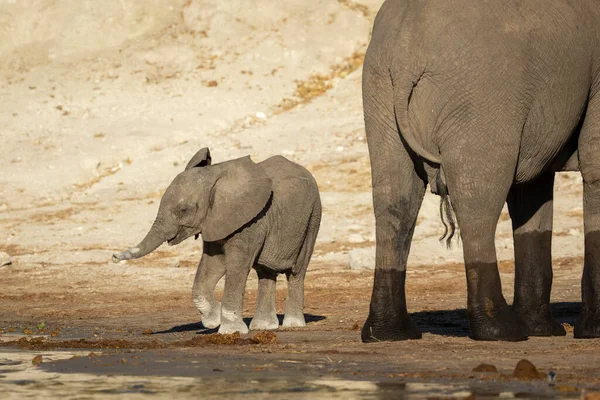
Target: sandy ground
[102,105]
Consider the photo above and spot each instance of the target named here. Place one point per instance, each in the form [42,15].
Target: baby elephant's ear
[241,191]
[200,159]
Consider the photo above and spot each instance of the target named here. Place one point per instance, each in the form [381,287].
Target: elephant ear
[201,159]
[241,191]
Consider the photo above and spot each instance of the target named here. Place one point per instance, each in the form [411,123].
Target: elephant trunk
[155,237]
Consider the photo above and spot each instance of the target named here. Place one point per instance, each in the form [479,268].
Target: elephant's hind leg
[588,325]
[397,196]
[294,303]
[265,317]
[478,188]
[530,207]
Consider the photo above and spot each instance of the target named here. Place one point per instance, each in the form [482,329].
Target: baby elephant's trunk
[153,239]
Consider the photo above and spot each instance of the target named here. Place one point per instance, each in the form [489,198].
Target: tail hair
[448,218]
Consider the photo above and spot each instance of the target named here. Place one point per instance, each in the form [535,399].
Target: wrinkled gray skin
[499,95]
[264,216]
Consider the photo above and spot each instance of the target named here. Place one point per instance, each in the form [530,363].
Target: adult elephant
[483,100]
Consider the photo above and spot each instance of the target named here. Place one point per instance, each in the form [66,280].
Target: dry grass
[318,84]
[50,217]
[361,8]
[105,173]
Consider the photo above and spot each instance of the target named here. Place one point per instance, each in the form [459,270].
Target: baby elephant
[263,215]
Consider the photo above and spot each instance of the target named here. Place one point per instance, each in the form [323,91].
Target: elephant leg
[210,271]
[588,325]
[265,317]
[397,196]
[238,268]
[530,208]
[294,303]
[478,188]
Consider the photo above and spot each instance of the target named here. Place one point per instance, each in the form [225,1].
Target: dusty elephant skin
[485,101]
[264,216]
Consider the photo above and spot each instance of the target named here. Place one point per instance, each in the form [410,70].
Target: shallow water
[19,379]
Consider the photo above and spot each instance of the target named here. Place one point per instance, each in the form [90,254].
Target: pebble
[5,259]
[525,370]
[485,368]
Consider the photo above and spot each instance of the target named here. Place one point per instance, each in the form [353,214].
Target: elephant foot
[212,318]
[228,327]
[495,323]
[588,326]
[232,322]
[540,323]
[293,321]
[264,324]
[386,329]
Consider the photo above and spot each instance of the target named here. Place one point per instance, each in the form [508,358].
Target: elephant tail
[447,214]
[448,220]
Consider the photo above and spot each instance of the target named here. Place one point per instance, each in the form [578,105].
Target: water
[20,379]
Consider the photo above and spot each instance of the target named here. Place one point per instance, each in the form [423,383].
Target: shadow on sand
[201,330]
[455,323]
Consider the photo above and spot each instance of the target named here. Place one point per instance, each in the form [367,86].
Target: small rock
[261,115]
[37,360]
[525,370]
[177,264]
[485,368]
[5,259]
[364,258]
